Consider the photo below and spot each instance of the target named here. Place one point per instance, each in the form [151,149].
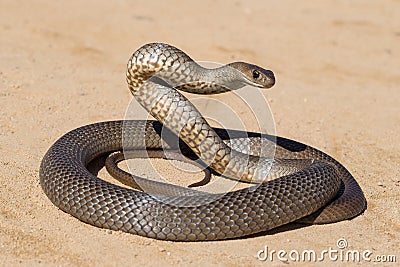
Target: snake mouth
[261,86]
[266,84]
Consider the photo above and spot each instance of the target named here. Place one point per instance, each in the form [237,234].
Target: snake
[300,183]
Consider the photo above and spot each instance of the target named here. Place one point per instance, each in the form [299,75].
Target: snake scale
[312,186]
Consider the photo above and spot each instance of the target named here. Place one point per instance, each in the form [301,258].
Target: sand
[62,65]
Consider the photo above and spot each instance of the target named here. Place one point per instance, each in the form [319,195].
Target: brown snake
[313,186]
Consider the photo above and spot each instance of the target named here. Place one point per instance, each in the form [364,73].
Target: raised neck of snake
[178,70]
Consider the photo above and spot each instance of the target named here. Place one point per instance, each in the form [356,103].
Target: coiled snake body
[313,186]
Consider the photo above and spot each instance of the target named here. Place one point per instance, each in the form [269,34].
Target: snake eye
[256,74]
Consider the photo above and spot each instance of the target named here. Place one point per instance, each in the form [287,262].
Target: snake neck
[214,81]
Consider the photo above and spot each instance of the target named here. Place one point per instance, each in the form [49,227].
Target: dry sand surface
[62,65]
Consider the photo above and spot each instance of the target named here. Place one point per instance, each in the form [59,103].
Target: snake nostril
[270,76]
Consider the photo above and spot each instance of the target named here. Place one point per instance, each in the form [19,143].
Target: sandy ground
[63,65]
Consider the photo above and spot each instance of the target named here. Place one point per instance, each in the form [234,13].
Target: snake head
[254,75]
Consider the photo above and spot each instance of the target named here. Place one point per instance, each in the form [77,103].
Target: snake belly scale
[316,188]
